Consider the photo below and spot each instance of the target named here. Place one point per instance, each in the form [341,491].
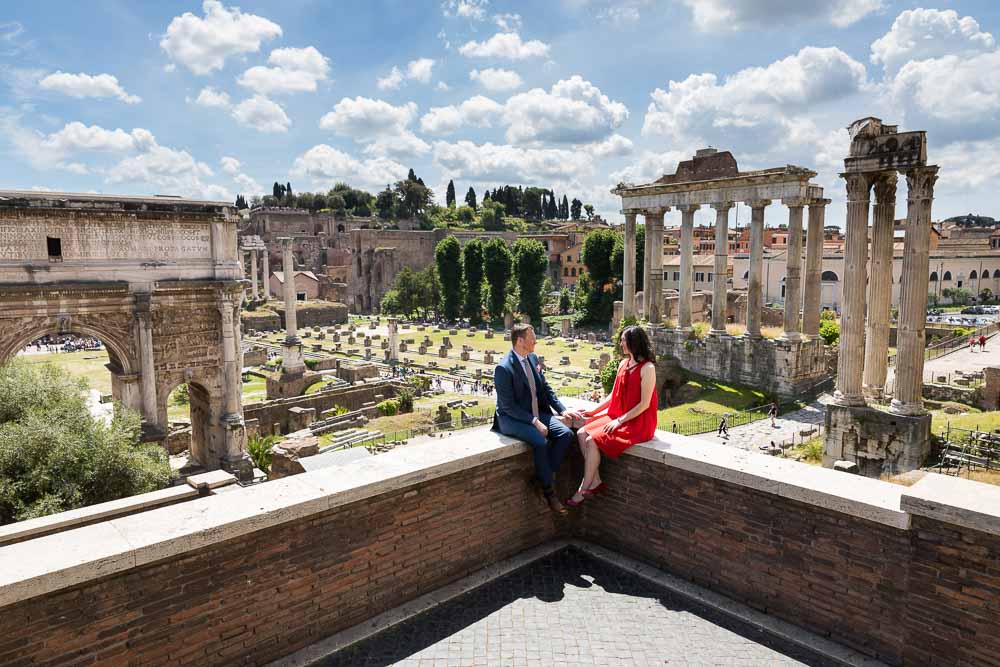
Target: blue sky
[212,99]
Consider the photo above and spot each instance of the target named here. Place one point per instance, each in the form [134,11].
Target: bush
[827,315]
[311,364]
[405,400]
[829,331]
[699,330]
[388,408]
[421,382]
[259,449]
[180,396]
[55,456]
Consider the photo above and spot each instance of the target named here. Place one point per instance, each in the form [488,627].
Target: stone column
[793,270]
[687,266]
[913,292]
[291,359]
[234,456]
[647,263]
[267,274]
[393,339]
[654,234]
[719,292]
[850,363]
[813,289]
[144,324]
[254,293]
[617,311]
[755,300]
[880,286]
[628,267]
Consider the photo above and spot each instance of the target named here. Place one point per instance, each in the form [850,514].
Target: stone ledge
[954,500]
[857,496]
[211,480]
[74,518]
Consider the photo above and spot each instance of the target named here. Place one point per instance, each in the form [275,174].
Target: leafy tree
[499,266]
[491,216]
[596,255]
[530,261]
[336,202]
[470,198]
[575,208]
[390,304]
[958,295]
[589,208]
[385,204]
[565,302]
[829,331]
[465,214]
[449,196]
[55,456]
[827,314]
[412,197]
[473,258]
[448,258]
[288,190]
[533,203]
[411,176]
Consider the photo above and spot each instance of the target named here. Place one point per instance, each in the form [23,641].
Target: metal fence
[710,422]
[954,343]
[969,449]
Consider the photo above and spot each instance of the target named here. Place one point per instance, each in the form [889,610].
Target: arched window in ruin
[830,277]
[947,276]
[973,275]
[340,228]
[573,272]
[565,271]
[934,278]
[746,275]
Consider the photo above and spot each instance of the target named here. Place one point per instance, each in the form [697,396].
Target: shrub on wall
[829,331]
[388,408]
[259,449]
[405,400]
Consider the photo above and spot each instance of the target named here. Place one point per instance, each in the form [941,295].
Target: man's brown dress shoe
[555,504]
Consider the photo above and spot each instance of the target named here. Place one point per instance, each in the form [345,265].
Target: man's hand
[542,428]
[573,415]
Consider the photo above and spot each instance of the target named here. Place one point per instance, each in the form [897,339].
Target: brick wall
[255,598]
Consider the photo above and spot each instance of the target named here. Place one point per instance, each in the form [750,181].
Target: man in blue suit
[525,405]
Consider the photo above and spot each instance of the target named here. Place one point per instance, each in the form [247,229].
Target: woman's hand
[612,425]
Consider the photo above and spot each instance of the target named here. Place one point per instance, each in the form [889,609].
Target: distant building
[306,284]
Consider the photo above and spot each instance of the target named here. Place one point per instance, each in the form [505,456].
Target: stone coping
[857,496]
[52,562]
[954,500]
[72,518]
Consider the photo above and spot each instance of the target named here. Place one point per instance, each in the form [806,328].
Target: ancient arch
[829,277]
[156,279]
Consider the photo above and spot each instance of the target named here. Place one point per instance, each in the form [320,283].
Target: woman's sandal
[598,490]
[572,503]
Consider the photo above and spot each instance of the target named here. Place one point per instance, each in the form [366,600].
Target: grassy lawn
[974,420]
[86,364]
[708,397]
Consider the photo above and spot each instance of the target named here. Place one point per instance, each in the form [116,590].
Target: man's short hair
[518,331]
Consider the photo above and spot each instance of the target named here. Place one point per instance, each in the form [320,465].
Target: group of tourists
[64,343]
[981,342]
[528,409]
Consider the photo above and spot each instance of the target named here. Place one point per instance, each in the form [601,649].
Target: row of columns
[258,290]
[795,295]
[861,366]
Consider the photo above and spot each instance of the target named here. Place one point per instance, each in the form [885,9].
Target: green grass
[86,364]
[710,398]
[973,420]
[811,451]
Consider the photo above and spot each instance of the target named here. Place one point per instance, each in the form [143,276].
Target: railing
[954,343]
[710,422]
[969,449]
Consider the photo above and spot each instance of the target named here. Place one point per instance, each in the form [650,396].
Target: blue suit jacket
[514,393]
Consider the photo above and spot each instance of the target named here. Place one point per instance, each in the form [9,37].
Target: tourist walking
[625,418]
[525,406]
[972,343]
[772,414]
[982,343]
[723,428]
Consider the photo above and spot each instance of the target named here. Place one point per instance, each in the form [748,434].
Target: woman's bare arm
[648,377]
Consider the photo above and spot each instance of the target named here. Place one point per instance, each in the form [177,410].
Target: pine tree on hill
[450,195]
[470,198]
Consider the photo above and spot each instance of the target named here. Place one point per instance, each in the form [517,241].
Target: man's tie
[531,383]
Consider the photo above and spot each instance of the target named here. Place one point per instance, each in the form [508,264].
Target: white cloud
[210,97]
[294,71]
[495,80]
[757,106]
[468,9]
[400,147]
[419,70]
[76,136]
[477,111]
[364,118]
[247,184]
[509,164]
[442,86]
[508,22]
[230,165]
[648,167]
[505,45]
[614,146]
[87,85]
[324,166]
[203,44]
[923,34]
[573,111]
[726,15]
[620,14]
[261,114]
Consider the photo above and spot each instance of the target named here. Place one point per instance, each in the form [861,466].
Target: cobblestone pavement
[570,609]
[787,427]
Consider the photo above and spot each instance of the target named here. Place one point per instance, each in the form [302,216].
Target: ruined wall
[353,398]
[880,442]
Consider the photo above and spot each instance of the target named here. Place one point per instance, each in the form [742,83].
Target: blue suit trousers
[549,452]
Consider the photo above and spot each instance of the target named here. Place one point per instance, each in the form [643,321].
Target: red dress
[626,393]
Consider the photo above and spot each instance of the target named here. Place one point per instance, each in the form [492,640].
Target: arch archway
[934,277]
[829,277]
[947,276]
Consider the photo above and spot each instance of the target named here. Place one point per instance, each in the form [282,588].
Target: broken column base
[879,442]
[286,384]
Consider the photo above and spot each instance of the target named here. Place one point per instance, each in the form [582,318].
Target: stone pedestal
[565,328]
[878,442]
[616,317]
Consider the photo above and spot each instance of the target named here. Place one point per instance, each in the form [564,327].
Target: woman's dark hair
[637,340]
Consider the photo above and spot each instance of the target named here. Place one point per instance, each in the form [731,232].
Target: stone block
[489,334]
[402,347]
[465,356]
[452,332]
[443,351]
[846,466]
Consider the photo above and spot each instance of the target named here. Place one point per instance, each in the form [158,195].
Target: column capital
[795,202]
[723,205]
[885,187]
[688,208]
[656,212]
[286,241]
[630,214]
[920,182]
[819,203]
[758,203]
[859,186]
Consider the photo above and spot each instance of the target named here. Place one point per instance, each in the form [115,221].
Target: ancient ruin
[157,279]
[789,365]
[898,440]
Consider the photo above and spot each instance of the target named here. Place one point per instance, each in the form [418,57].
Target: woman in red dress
[627,417]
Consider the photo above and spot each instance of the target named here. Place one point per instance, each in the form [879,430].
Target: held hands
[612,425]
[542,428]
[572,415]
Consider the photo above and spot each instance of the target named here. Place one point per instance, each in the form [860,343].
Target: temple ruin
[157,280]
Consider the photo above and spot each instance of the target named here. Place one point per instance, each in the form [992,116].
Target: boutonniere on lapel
[538,367]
